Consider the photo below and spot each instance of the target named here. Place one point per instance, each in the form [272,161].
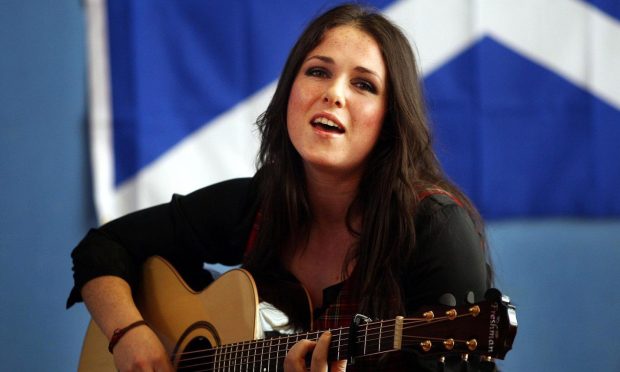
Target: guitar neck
[268,354]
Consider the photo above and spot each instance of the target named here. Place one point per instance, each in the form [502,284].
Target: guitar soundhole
[196,356]
[194,351]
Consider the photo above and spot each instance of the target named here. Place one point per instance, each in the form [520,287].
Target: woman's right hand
[140,350]
[111,305]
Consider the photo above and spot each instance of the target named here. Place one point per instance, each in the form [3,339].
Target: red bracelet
[120,332]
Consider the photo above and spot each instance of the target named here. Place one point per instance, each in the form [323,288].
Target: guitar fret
[253,358]
[277,355]
[292,341]
[254,355]
[380,331]
[265,355]
[273,357]
[239,358]
[269,357]
[233,357]
[222,358]
[215,358]
[228,358]
[365,337]
[226,364]
[262,356]
[231,354]
[338,348]
[243,362]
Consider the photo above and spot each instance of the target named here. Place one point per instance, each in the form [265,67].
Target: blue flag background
[527,129]
[522,140]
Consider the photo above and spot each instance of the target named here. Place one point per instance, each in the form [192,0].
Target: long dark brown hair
[400,166]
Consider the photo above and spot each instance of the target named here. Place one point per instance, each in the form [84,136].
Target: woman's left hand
[295,360]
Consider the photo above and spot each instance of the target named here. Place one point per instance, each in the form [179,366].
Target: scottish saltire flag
[524,96]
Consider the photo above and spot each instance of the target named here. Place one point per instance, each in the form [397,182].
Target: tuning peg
[426,345]
[449,344]
[447,299]
[474,310]
[429,315]
[472,344]
[441,364]
[451,314]
[464,362]
[487,364]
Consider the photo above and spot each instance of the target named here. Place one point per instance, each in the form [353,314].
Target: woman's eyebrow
[367,71]
[325,59]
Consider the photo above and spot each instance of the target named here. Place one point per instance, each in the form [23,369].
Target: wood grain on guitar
[218,329]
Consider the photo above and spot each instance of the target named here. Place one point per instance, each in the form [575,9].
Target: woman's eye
[364,85]
[316,72]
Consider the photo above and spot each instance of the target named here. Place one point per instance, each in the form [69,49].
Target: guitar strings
[251,360]
[287,341]
[367,339]
[384,324]
[409,323]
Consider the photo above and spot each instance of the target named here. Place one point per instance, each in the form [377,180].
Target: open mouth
[327,125]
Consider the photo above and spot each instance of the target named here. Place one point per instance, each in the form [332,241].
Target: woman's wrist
[120,332]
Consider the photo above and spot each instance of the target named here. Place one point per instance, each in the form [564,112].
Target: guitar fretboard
[267,355]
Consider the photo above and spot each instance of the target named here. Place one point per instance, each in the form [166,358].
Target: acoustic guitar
[222,328]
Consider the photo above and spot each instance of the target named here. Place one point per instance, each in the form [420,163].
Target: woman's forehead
[349,43]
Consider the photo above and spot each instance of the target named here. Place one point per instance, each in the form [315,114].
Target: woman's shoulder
[226,187]
[441,215]
[224,206]
[436,200]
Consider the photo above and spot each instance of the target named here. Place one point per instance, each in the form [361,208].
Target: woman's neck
[330,197]
[318,261]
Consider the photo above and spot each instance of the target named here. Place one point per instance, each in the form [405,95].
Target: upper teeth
[326,121]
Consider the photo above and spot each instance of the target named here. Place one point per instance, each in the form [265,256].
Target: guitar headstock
[486,328]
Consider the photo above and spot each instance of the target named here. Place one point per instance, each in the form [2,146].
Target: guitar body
[223,313]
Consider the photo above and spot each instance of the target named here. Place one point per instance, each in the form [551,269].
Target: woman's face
[338,102]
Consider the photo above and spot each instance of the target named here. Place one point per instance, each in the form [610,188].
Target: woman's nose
[334,94]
